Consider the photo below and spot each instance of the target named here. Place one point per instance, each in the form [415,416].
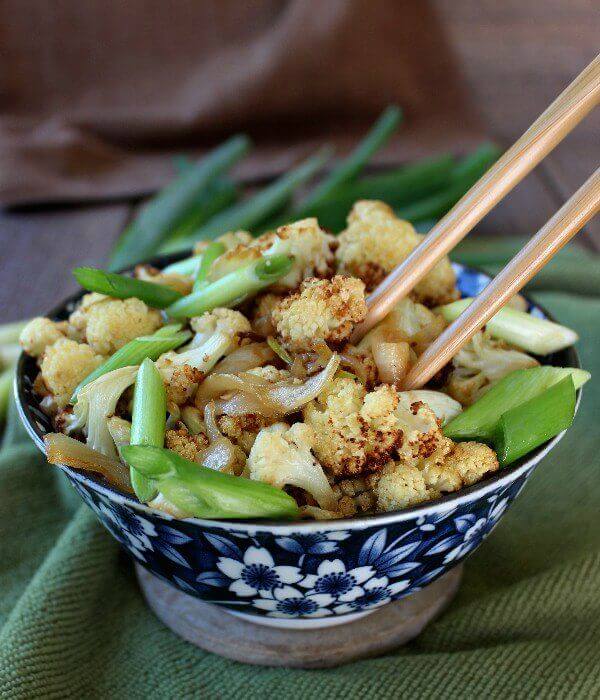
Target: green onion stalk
[155,295]
[212,251]
[232,288]
[148,421]
[480,421]
[202,492]
[137,350]
[250,212]
[6,382]
[534,422]
[169,207]
[530,333]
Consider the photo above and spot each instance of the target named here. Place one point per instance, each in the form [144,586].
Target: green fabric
[525,624]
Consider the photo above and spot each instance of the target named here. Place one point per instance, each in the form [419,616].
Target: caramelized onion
[392,360]
[245,358]
[357,367]
[221,454]
[64,450]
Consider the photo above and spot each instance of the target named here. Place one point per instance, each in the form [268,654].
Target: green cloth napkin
[526,622]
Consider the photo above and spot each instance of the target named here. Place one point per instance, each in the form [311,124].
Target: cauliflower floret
[188,446]
[423,443]
[107,324]
[399,486]
[242,430]
[65,364]
[355,431]
[181,381]
[38,335]
[304,240]
[219,320]
[472,461]
[481,363]
[408,322]
[354,496]
[281,456]
[262,322]
[173,280]
[376,241]
[230,240]
[323,310]
[271,374]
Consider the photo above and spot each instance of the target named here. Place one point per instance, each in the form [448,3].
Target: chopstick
[555,233]
[569,108]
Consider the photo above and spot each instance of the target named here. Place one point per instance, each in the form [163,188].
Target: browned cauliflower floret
[481,363]
[355,431]
[281,456]
[471,461]
[323,310]
[230,240]
[423,442]
[271,373]
[354,496]
[375,241]
[65,364]
[38,335]
[399,486]
[221,320]
[173,280]
[309,245]
[181,380]
[188,446]
[108,324]
[242,430]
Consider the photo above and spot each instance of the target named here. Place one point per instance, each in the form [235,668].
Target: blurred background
[100,100]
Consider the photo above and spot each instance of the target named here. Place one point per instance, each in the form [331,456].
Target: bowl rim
[442,504]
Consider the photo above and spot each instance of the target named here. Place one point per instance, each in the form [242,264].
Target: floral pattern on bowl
[301,571]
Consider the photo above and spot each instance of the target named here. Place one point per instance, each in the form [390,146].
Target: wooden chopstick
[557,231]
[569,108]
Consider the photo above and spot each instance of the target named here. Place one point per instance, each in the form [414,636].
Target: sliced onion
[245,358]
[210,421]
[392,360]
[356,366]
[221,384]
[221,455]
[64,450]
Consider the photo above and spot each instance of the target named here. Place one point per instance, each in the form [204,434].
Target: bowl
[300,574]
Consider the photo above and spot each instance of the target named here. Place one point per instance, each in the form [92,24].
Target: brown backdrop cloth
[95,93]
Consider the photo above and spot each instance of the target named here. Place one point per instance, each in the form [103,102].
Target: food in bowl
[225,386]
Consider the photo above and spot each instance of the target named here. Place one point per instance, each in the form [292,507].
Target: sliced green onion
[342,373]
[158,296]
[205,493]
[168,330]
[10,332]
[349,168]
[532,423]
[240,284]
[134,353]
[193,419]
[250,212]
[480,420]
[213,251]
[536,335]
[6,382]
[164,211]
[187,266]
[279,350]
[148,421]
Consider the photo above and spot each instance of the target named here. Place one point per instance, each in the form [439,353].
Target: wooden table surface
[515,60]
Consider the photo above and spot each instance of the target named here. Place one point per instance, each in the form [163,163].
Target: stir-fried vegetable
[480,420]
[533,334]
[136,351]
[187,266]
[530,424]
[205,493]
[117,286]
[6,380]
[148,421]
[210,254]
[162,213]
[240,284]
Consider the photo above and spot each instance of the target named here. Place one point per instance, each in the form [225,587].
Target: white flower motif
[497,510]
[131,530]
[377,592]
[256,573]
[470,539]
[334,580]
[287,601]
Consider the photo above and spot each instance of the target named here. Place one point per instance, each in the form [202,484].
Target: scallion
[533,422]
[480,420]
[134,353]
[279,350]
[158,296]
[187,266]
[212,251]
[530,333]
[148,421]
[230,289]
[205,493]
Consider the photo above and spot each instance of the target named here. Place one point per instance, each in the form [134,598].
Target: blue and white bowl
[302,574]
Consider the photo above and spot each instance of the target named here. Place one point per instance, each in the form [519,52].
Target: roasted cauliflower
[65,364]
[38,335]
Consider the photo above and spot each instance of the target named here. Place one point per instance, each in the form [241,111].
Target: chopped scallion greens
[279,350]
[209,255]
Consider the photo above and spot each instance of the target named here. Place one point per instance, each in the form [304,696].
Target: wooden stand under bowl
[214,629]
